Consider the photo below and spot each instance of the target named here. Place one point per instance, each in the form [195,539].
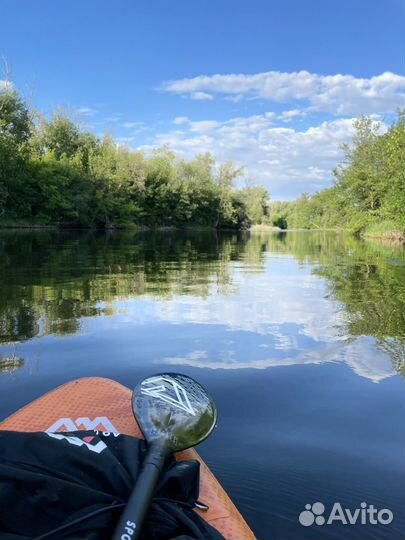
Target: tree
[256,200]
[51,171]
[369,186]
[61,136]
[227,214]
[116,179]
[15,130]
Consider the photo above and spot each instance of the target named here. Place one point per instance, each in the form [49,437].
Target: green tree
[369,185]
[61,136]
[256,200]
[53,172]
[15,131]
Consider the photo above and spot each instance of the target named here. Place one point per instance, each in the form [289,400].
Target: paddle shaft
[130,524]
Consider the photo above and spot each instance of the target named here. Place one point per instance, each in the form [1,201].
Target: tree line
[52,172]
[368,194]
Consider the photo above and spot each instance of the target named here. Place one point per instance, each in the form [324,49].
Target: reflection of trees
[8,364]
[366,278]
[17,321]
[369,283]
[51,280]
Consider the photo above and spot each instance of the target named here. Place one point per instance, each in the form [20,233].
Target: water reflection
[290,333]
[51,281]
[9,364]
[259,300]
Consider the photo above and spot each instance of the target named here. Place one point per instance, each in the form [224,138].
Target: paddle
[174,412]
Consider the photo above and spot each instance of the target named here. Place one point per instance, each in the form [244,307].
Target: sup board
[104,404]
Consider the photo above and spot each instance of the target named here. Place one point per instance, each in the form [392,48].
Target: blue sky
[271,85]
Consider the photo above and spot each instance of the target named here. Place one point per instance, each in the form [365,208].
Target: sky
[272,85]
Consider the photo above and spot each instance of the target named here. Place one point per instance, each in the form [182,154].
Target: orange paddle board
[103,404]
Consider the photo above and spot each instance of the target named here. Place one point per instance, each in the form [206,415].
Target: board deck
[104,404]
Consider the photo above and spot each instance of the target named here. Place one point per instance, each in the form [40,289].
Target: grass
[384,229]
[264,227]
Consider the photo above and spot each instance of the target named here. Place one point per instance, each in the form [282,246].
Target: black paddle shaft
[130,524]
[174,412]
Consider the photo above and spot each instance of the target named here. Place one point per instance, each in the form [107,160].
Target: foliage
[52,172]
[257,202]
[380,228]
[15,130]
[75,275]
[369,185]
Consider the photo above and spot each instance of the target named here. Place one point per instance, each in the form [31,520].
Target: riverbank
[386,230]
[261,227]
[32,226]
[23,224]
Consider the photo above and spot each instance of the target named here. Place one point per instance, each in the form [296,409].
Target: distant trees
[257,203]
[369,185]
[52,172]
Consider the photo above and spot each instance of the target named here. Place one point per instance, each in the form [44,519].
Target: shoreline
[395,236]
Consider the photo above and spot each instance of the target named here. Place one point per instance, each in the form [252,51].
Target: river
[299,337]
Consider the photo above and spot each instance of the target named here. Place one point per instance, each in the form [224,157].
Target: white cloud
[286,160]
[362,358]
[179,120]
[87,111]
[203,125]
[201,96]
[287,116]
[300,302]
[296,324]
[112,119]
[336,94]
[133,125]
[375,367]
[293,324]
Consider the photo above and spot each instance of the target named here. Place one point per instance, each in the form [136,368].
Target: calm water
[300,338]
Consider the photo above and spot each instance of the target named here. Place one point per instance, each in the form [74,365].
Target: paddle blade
[175,410]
